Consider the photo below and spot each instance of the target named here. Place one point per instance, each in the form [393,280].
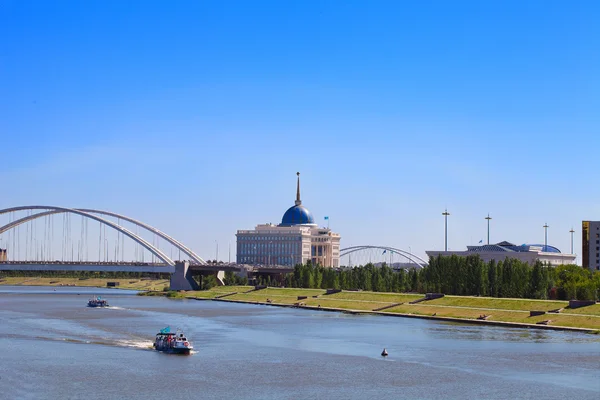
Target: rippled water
[54,347]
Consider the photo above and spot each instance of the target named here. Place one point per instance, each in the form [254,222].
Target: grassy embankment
[124,283]
[459,307]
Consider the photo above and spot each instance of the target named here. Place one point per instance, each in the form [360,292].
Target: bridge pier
[221,278]
[182,279]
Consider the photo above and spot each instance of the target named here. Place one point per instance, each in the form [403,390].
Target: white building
[295,241]
[526,252]
[590,245]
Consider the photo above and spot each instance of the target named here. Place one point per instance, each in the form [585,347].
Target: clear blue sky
[195,115]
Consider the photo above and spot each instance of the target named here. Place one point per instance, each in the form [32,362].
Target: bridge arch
[157,252]
[409,256]
[152,229]
[173,241]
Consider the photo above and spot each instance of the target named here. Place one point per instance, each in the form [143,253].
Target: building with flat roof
[296,240]
[590,245]
[500,251]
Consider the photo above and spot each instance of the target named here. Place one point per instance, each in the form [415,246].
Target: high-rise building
[296,240]
[590,245]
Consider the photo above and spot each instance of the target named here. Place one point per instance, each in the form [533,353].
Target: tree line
[454,275]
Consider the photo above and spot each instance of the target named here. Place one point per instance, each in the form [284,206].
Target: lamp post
[572,232]
[488,222]
[546,237]
[445,214]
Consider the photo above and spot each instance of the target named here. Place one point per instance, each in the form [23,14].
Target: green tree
[537,287]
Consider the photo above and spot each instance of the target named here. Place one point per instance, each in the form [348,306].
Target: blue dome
[297,215]
[548,249]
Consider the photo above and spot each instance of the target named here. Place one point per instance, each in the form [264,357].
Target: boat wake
[132,344]
[136,344]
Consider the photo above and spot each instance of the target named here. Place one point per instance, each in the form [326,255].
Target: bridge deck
[215,268]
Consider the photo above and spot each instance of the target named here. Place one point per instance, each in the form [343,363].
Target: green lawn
[499,303]
[124,283]
[260,297]
[345,304]
[230,289]
[589,310]
[291,292]
[579,321]
[376,296]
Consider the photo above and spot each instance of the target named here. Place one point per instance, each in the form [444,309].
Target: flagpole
[488,224]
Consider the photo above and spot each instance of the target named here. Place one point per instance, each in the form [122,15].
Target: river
[54,347]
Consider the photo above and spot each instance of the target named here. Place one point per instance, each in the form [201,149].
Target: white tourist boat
[172,342]
[97,302]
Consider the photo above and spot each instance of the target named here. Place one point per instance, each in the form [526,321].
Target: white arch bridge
[40,255]
[93,215]
[411,257]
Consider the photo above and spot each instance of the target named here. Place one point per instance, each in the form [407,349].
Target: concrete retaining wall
[580,303]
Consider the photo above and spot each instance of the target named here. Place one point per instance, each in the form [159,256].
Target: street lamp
[445,214]
[546,237]
[488,222]
[572,232]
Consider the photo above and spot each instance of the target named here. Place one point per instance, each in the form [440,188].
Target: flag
[481,241]
[166,330]
[384,252]
[327,218]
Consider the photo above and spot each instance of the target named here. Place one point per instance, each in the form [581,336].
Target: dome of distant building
[547,249]
[297,215]
[511,247]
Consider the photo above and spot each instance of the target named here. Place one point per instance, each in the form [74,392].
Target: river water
[54,347]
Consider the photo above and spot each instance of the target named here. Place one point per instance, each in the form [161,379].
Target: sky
[194,116]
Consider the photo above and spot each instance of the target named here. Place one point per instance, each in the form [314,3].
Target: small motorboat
[172,342]
[97,302]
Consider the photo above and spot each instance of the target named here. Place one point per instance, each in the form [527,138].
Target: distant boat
[172,342]
[384,353]
[97,302]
